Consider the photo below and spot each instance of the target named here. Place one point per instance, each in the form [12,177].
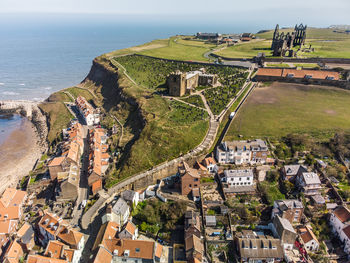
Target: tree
[287,187]
[272,176]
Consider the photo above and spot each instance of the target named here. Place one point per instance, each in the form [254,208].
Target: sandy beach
[18,154]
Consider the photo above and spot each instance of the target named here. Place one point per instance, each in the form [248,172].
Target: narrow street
[83,192]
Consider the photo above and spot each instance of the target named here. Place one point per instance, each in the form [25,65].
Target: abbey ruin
[282,44]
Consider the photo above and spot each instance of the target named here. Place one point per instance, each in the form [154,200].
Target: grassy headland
[326,42]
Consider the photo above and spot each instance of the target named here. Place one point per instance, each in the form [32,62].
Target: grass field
[195,100]
[326,43]
[180,50]
[57,113]
[247,49]
[281,108]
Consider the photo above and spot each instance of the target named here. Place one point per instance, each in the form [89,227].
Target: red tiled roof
[56,161]
[314,74]
[342,214]
[346,231]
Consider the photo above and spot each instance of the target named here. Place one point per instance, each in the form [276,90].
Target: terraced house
[54,228]
[89,113]
[340,223]
[71,149]
[98,158]
[248,152]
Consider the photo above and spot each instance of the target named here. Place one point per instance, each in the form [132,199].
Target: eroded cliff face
[115,98]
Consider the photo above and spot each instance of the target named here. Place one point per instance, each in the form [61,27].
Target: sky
[311,12]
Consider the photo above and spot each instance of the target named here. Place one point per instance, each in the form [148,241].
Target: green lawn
[57,113]
[311,33]
[281,108]
[178,51]
[270,191]
[195,100]
[327,44]
[247,49]
[328,48]
[279,65]
[307,65]
[344,186]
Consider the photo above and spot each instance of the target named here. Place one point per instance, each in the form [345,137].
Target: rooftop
[239,173]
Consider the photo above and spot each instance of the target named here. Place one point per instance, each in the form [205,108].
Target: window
[240,179]
[190,186]
[195,185]
[137,250]
[196,179]
[248,178]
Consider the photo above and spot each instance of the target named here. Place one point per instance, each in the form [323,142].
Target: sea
[43,53]
[8,124]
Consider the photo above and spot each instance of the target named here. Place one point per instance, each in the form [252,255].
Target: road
[83,192]
[205,144]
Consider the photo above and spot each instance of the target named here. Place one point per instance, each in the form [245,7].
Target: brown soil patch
[152,46]
[263,95]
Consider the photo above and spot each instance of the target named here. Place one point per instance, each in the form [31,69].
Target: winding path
[207,142]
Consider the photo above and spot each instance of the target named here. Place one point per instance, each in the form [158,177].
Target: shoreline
[18,154]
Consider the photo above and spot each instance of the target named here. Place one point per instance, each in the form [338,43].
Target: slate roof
[288,204]
[260,248]
[311,178]
[292,170]
[128,195]
[120,207]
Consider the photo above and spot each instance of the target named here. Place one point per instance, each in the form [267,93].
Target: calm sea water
[8,124]
[40,54]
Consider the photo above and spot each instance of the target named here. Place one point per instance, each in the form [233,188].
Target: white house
[90,114]
[309,239]
[309,183]
[210,164]
[340,223]
[121,212]
[238,177]
[242,152]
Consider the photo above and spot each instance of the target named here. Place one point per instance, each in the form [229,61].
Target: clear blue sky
[313,12]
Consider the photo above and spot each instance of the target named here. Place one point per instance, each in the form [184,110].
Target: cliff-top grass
[278,109]
[326,44]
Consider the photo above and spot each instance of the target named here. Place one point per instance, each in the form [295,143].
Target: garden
[157,218]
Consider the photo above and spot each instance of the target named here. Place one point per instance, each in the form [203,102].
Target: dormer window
[308,76]
[290,75]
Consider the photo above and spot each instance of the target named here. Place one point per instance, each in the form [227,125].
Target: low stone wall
[310,60]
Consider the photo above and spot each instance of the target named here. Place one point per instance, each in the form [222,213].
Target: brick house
[190,180]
